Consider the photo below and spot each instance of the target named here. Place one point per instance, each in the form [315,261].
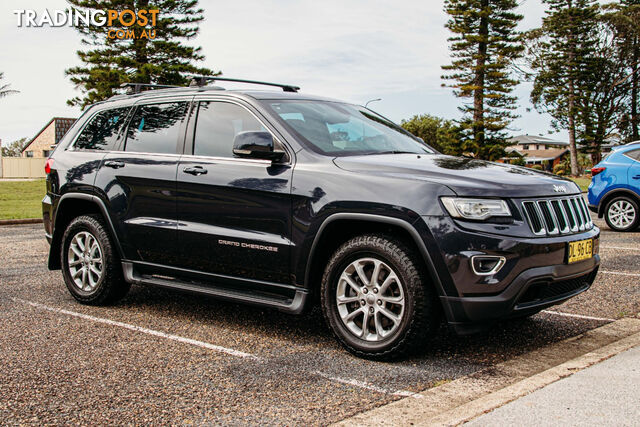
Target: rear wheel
[90,265]
[376,298]
[621,214]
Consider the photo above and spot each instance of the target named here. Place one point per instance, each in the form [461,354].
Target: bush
[537,167]
[559,169]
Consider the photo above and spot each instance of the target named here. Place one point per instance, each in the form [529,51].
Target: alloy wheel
[370,299]
[85,261]
[621,214]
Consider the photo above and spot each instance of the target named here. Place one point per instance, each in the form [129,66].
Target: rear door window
[156,128]
[217,125]
[101,133]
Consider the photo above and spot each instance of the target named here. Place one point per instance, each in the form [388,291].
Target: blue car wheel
[622,214]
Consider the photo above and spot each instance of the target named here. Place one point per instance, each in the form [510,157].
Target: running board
[293,305]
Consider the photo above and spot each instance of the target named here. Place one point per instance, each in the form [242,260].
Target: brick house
[50,134]
[538,150]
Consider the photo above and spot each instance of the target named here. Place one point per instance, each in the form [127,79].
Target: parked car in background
[614,192]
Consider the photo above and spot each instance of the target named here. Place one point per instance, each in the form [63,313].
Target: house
[537,150]
[49,135]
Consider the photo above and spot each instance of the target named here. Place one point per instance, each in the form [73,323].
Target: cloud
[354,50]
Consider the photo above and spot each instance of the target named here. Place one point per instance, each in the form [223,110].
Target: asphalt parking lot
[167,357]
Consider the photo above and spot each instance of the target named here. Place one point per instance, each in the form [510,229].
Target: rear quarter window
[102,130]
[634,154]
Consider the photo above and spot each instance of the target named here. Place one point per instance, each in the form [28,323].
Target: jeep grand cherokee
[287,200]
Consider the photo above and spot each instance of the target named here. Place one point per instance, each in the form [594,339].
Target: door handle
[636,177]
[114,164]
[196,170]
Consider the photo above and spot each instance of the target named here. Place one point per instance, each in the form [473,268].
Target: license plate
[580,250]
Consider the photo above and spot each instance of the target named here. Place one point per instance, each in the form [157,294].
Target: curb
[20,221]
[468,397]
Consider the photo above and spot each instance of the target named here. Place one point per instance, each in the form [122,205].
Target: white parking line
[578,316]
[619,248]
[368,386]
[143,330]
[202,344]
[620,273]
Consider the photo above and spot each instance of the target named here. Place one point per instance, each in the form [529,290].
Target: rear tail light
[47,166]
[596,171]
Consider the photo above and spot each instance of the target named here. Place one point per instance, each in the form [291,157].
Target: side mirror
[256,145]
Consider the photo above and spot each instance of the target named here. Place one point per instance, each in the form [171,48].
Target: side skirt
[293,305]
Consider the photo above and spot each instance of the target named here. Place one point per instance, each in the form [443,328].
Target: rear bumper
[533,290]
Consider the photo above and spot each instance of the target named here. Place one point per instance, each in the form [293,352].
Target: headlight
[477,209]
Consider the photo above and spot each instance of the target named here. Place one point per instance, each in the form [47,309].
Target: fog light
[486,265]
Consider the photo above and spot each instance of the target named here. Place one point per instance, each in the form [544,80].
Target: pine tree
[625,20]
[4,89]
[109,62]
[560,51]
[605,94]
[441,134]
[484,47]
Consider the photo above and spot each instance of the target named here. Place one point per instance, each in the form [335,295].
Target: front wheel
[621,214]
[377,299]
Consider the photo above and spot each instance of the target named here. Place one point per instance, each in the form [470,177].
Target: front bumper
[535,274]
[532,291]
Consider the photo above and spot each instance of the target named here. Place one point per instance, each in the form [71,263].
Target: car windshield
[337,129]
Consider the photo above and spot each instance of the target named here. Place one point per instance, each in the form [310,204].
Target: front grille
[564,215]
[544,291]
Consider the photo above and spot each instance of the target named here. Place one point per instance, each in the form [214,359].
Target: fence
[22,167]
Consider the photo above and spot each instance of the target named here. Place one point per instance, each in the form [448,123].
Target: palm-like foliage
[4,89]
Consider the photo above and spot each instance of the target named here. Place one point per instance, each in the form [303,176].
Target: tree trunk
[573,152]
[635,120]
[478,93]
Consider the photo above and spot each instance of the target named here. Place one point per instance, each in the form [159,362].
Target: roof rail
[202,81]
[133,88]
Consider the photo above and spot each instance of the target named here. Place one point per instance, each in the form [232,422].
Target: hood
[466,177]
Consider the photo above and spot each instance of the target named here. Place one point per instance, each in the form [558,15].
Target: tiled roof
[550,154]
[62,126]
[532,139]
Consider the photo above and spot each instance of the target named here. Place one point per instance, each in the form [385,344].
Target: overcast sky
[354,50]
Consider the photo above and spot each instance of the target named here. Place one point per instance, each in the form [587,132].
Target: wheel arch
[70,206]
[359,223]
[611,194]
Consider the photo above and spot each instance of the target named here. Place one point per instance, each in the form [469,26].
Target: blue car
[614,192]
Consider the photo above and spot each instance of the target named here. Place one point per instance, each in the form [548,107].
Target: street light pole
[372,100]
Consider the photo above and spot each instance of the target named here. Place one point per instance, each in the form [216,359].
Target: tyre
[377,300]
[622,214]
[90,264]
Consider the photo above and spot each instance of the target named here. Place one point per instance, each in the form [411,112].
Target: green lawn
[583,182]
[21,199]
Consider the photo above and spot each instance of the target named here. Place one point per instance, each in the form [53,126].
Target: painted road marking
[202,344]
[172,337]
[620,248]
[620,273]
[368,386]
[578,316]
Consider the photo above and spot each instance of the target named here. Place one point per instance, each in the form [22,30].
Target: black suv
[287,200]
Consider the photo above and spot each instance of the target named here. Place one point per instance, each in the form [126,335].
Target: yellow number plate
[580,250]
